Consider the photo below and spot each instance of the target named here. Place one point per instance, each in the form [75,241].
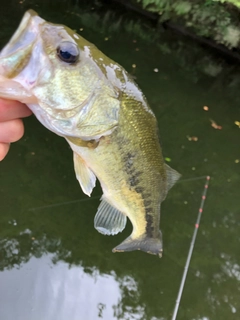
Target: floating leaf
[193,138]
[237,123]
[215,125]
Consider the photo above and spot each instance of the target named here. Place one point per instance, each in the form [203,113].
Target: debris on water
[237,123]
[205,108]
[33,153]
[215,125]
[81,29]
[134,41]
[155,69]
[106,38]
[167,159]
[198,273]
[237,161]
[137,49]
[193,168]
[13,222]
[193,138]
[185,202]
[134,65]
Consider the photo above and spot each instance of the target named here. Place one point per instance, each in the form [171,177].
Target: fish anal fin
[172,176]
[108,220]
[146,244]
[84,175]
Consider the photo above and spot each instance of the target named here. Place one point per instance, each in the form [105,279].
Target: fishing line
[191,249]
[63,203]
[192,179]
[96,197]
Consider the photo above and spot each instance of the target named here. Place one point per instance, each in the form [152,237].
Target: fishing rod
[204,194]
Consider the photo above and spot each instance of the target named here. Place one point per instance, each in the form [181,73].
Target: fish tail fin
[144,243]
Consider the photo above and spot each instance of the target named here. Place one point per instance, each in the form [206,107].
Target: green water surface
[53,264]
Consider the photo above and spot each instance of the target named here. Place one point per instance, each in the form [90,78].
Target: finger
[11,131]
[11,109]
[4,147]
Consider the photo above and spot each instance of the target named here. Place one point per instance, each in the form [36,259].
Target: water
[54,264]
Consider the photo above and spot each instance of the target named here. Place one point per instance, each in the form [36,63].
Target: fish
[80,94]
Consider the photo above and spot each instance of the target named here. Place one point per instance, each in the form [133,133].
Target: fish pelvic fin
[144,243]
[108,219]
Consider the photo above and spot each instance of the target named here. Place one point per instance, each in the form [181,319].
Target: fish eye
[68,52]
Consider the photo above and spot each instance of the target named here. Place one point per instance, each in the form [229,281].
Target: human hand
[11,126]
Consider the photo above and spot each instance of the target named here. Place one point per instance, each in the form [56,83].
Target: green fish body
[82,95]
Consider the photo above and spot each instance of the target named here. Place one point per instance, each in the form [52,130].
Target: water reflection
[41,289]
[44,286]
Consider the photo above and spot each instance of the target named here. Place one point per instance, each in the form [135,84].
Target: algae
[217,20]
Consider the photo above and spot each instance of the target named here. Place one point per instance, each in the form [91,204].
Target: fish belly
[133,181]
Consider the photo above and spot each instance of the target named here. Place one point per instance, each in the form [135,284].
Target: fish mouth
[15,56]
[20,71]
[25,34]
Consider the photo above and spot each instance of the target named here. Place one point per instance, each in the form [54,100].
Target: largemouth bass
[80,94]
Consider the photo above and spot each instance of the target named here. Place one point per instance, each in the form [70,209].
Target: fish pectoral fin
[172,176]
[91,144]
[109,220]
[84,175]
[149,245]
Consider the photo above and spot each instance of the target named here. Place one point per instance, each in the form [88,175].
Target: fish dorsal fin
[172,176]
[84,175]
[108,220]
